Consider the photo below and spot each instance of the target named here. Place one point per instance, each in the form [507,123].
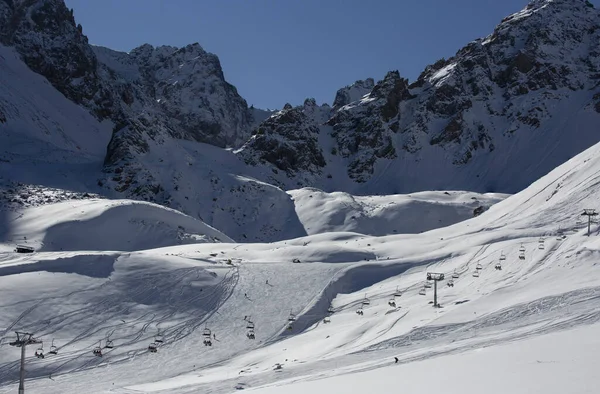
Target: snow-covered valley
[183,242]
[82,298]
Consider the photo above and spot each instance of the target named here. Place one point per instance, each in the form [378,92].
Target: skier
[267,282]
[215,337]
[396,360]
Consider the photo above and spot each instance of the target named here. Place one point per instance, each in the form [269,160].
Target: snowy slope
[180,290]
[45,138]
[100,224]
[384,215]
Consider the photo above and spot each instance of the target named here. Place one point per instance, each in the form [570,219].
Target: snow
[502,320]
[384,215]
[100,224]
[45,137]
[555,363]
[442,74]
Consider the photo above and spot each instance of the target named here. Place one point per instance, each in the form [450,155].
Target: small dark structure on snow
[24,249]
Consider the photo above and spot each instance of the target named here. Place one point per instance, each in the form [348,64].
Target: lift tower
[23,339]
[589,213]
[435,277]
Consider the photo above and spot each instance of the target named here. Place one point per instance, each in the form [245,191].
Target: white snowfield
[385,215]
[528,327]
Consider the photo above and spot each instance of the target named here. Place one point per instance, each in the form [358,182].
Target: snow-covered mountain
[524,277]
[502,112]
[163,125]
[157,118]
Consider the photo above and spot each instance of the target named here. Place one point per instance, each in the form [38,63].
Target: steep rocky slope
[160,104]
[502,112]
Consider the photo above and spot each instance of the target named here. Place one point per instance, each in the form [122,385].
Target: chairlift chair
[398,293]
[522,256]
[250,334]
[207,333]
[427,285]
[158,338]
[450,283]
[53,349]
[422,291]
[207,342]
[392,303]
[250,325]
[476,274]
[326,319]
[98,350]
[478,267]
[109,344]
[292,317]
[428,276]
[39,352]
[153,348]
[522,249]
[502,256]
[498,267]
[359,311]
[455,275]
[366,301]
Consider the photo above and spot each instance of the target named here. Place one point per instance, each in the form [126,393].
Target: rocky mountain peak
[354,92]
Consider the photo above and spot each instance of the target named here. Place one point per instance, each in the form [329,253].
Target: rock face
[352,93]
[289,140]
[502,112]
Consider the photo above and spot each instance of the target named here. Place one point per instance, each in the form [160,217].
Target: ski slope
[550,296]
[101,224]
[385,215]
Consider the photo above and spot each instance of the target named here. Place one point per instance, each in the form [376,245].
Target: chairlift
[428,276]
[207,341]
[290,326]
[455,275]
[366,301]
[153,347]
[476,274]
[392,303]
[98,350]
[109,343]
[422,291]
[522,249]
[330,310]
[292,317]
[39,352]
[502,256]
[207,333]
[158,338]
[250,334]
[250,325]
[427,285]
[53,349]
[498,267]
[397,293]
[478,267]
[359,311]
[326,319]
[450,283]
[522,256]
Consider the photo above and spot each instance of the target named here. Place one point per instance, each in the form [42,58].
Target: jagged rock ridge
[495,117]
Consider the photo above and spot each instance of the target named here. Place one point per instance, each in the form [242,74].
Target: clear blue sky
[278,51]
